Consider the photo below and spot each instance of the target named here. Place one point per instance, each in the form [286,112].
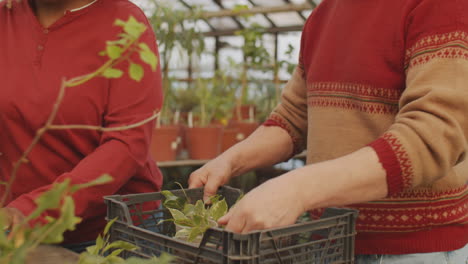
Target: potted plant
[203,136]
[169,26]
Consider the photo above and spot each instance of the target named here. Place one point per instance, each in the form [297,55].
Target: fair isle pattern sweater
[392,75]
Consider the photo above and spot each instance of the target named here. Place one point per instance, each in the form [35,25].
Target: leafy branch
[117,51]
[58,201]
[105,252]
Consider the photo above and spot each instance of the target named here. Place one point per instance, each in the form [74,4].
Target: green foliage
[55,208]
[192,220]
[174,31]
[147,55]
[136,72]
[105,252]
[22,238]
[216,98]
[120,50]
[255,53]
[287,63]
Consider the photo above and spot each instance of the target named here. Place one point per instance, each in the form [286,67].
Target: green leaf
[50,199]
[116,252]
[120,245]
[189,209]
[112,73]
[103,179]
[66,221]
[113,51]
[144,47]
[92,249]
[148,56]
[99,245]
[183,233]
[119,22]
[200,208]
[134,28]
[195,233]
[136,71]
[180,218]
[199,220]
[19,255]
[173,201]
[215,198]
[108,225]
[218,209]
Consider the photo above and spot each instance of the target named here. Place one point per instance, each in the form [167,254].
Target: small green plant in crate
[192,220]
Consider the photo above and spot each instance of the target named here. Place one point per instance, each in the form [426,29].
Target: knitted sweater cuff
[275,122]
[390,163]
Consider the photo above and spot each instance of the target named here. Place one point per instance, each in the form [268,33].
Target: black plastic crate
[327,240]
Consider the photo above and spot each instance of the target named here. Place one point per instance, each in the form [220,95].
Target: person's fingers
[17,218]
[198,178]
[211,188]
[236,222]
[12,217]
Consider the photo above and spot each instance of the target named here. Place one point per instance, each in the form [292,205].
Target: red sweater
[390,74]
[33,60]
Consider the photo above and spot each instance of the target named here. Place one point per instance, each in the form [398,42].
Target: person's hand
[275,203]
[12,217]
[212,175]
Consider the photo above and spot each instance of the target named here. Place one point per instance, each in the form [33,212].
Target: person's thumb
[225,219]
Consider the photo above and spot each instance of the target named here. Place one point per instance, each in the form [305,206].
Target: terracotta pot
[231,136]
[245,128]
[164,146]
[204,143]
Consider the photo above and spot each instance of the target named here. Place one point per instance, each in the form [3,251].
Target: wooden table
[45,254]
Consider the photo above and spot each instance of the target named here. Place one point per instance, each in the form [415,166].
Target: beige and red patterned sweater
[392,75]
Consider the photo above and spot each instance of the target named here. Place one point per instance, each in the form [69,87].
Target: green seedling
[192,220]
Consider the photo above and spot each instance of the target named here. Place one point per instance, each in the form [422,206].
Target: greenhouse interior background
[216,57]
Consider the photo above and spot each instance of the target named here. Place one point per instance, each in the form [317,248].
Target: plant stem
[105,129]
[65,84]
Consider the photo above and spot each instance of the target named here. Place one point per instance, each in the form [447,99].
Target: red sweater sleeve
[430,131]
[122,153]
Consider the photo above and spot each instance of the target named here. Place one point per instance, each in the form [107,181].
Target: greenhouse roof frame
[276,16]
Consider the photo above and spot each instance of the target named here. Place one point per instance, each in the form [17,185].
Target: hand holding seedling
[273,204]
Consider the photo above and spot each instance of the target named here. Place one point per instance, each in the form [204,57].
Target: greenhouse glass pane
[258,19]
[306,13]
[230,51]
[284,42]
[229,4]
[222,23]
[285,19]
[269,2]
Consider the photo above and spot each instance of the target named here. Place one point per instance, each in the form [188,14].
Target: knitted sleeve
[429,135]
[291,113]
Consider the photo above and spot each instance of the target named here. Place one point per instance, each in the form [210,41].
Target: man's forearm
[354,178]
[265,147]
